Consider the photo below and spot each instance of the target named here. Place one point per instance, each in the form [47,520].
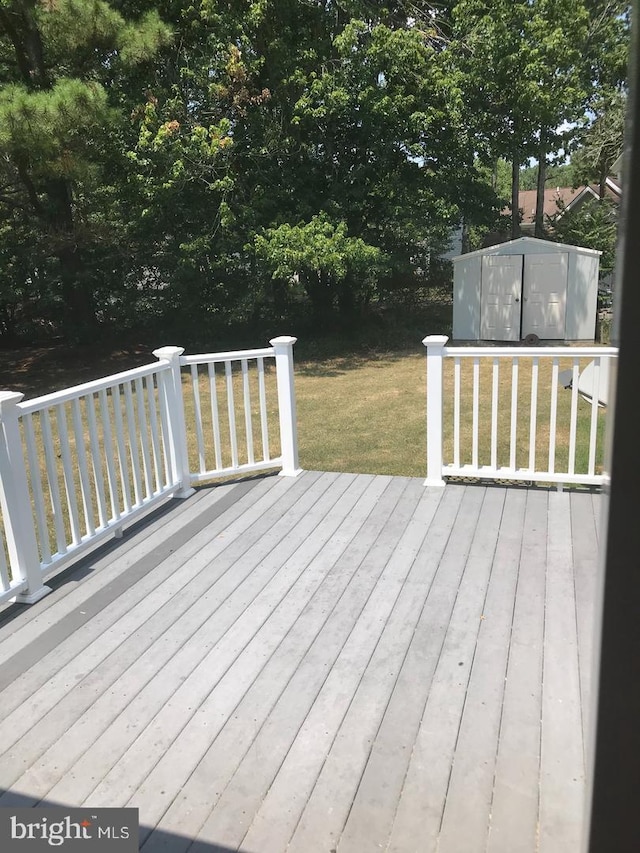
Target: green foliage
[234,162]
[594,226]
[321,256]
[600,142]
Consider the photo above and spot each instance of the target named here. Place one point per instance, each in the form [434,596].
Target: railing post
[283,347]
[17,514]
[177,438]
[435,345]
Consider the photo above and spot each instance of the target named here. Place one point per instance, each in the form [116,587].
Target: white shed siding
[581,295]
[467,279]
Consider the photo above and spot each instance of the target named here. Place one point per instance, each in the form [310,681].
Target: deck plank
[381,581]
[375,805]
[562,765]
[313,739]
[213,632]
[164,560]
[328,662]
[327,809]
[514,817]
[70,586]
[96,666]
[311,645]
[206,758]
[467,808]
[279,813]
[584,516]
[416,822]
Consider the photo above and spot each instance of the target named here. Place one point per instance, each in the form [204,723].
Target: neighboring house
[560,200]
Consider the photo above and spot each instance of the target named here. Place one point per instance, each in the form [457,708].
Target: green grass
[367,414]
[363,414]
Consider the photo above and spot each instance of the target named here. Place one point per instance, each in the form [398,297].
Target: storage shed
[525,288]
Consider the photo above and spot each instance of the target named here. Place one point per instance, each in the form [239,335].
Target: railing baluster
[143,429]
[132,443]
[232,414]
[155,439]
[54,481]
[35,480]
[436,352]
[165,432]
[573,419]
[195,385]
[112,478]
[593,432]
[5,580]
[125,481]
[494,413]
[553,415]
[476,403]
[533,414]
[67,469]
[513,436]
[456,411]
[81,459]
[263,410]
[215,415]
[248,425]
[96,462]
[17,530]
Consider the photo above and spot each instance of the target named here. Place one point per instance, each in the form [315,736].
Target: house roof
[520,245]
[565,197]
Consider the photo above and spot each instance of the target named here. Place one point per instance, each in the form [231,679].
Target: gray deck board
[331,662]
[562,760]
[585,563]
[434,640]
[514,819]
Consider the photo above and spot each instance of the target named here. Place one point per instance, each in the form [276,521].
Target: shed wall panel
[466,299]
[582,288]
[582,297]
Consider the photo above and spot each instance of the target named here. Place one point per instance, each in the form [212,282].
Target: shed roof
[524,242]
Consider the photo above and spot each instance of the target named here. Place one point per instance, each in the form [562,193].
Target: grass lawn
[368,415]
[356,413]
[360,414]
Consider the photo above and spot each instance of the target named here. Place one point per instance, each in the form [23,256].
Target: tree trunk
[542,176]
[602,183]
[515,193]
[80,320]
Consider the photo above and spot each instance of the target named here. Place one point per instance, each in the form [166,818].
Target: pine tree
[61,62]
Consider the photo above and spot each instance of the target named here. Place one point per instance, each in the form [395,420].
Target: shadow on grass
[150,840]
[339,366]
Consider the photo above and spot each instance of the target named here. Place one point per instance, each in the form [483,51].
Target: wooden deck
[332,662]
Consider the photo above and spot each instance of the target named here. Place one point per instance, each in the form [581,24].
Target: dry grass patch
[368,415]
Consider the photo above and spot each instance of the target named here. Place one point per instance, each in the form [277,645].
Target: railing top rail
[235,355]
[541,352]
[57,397]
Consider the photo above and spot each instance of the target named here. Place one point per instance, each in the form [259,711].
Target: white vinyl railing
[502,413]
[77,464]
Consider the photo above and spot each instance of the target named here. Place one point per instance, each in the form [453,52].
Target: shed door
[501,292]
[545,295]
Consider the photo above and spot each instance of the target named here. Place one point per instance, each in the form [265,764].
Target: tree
[346,113]
[593,225]
[600,143]
[534,67]
[58,121]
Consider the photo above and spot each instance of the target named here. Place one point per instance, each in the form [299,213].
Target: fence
[503,413]
[76,465]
